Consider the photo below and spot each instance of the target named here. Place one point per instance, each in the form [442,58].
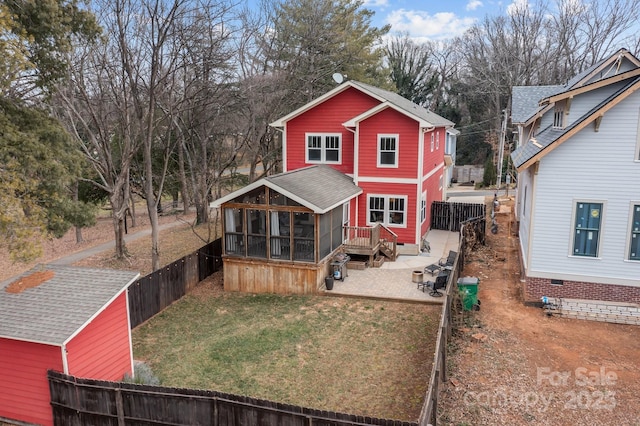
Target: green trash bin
[468,288]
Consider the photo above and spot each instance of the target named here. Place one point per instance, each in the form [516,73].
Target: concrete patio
[393,280]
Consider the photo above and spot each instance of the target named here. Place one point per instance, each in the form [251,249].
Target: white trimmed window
[432,141]
[423,207]
[324,148]
[634,237]
[587,228]
[390,210]
[387,150]
[438,139]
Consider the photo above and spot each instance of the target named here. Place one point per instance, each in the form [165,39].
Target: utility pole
[503,131]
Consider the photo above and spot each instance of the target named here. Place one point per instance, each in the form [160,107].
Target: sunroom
[281,232]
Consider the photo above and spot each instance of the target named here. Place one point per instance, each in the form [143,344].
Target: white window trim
[385,214]
[627,251]
[423,207]
[558,118]
[438,139]
[432,140]
[397,150]
[323,148]
[440,182]
[573,227]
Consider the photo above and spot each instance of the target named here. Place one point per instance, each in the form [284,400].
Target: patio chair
[444,263]
[441,282]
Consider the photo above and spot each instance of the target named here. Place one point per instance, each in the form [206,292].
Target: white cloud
[375,3]
[518,5]
[421,25]
[474,4]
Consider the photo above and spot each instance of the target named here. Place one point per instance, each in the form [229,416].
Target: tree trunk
[186,201]
[79,238]
[118,208]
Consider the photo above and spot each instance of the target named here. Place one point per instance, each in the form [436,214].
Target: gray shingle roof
[319,187]
[405,104]
[524,100]
[550,134]
[53,311]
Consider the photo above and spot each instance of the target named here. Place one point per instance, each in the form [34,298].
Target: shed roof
[319,188]
[56,310]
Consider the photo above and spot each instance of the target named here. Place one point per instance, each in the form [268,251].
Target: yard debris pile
[512,365]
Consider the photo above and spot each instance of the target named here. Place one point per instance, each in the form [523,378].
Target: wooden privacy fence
[450,216]
[429,413]
[154,292]
[79,402]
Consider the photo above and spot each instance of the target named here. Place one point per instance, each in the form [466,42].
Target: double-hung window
[587,226]
[387,150]
[324,148]
[423,207]
[390,210]
[634,249]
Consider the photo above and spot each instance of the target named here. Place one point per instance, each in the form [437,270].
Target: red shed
[69,319]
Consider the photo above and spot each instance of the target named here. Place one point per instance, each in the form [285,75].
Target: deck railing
[364,237]
[390,240]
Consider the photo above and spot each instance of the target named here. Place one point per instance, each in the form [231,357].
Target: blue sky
[433,20]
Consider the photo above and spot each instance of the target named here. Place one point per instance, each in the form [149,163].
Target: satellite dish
[338,78]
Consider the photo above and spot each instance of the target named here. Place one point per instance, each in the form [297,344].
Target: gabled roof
[529,101]
[399,103]
[524,100]
[550,138]
[59,308]
[319,188]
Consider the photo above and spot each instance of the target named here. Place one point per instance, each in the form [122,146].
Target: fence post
[119,407]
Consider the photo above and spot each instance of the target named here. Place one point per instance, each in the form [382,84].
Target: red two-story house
[392,148]
[390,155]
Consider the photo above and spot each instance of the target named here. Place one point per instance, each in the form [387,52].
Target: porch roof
[319,188]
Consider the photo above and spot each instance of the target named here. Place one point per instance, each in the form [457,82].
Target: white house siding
[523,211]
[590,166]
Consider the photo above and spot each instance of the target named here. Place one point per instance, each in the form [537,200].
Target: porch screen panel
[325,235]
[234,232]
[280,235]
[336,227]
[303,236]
[256,233]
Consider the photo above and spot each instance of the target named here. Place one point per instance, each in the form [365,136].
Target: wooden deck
[370,241]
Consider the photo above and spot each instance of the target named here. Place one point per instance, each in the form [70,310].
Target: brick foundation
[535,288]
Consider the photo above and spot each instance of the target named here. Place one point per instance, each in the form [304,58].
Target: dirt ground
[513,365]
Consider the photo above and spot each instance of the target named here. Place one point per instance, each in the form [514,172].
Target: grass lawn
[358,356]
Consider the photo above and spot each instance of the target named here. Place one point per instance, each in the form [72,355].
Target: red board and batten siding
[24,393]
[102,348]
[326,117]
[405,234]
[388,122]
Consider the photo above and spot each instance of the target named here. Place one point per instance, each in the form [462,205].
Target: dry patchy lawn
[365,357]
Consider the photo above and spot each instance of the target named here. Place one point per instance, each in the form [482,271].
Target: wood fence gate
[449,216]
